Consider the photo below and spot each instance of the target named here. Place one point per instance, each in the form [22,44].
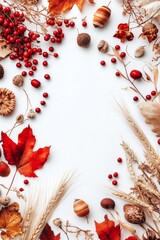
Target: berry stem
[11,182]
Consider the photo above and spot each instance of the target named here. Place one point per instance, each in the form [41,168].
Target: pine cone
[7,102]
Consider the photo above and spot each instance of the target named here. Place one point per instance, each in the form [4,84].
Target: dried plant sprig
[26,224]
[153,167]
[148,188]
[51,206]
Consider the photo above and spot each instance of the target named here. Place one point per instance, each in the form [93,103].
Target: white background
[81,120]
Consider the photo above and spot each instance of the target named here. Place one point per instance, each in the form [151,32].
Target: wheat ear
[140,134]
[148,188]
[153,166]
[26,224]
[55,199]
[130,158]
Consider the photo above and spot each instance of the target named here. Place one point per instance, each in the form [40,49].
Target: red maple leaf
[48,234]
[124,33]
[22,155]
[132,238]
[107,230]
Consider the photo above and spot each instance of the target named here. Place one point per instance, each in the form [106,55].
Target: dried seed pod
[1,71]
[107,203]
[31,114]
[57,222]
[101,16]
[134,214]
[139,52]
[7,101]
[20,119]
[103,46]
[18,80]
[149,31]
[5,200]
[83,39]
[81,208]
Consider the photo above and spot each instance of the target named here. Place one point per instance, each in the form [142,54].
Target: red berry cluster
[53,21]
[57,37]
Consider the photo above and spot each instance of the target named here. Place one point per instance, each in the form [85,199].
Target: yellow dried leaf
[151,112]
[10,221]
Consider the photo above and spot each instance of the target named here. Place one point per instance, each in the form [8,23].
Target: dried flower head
[31,114]
[57,222]
[7,101]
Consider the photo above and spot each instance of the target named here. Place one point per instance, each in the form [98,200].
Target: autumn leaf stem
[11,182]
[64,233]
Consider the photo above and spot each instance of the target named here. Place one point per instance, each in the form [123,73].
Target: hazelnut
[134,214]
[5,200]
[107,203]
[83,40]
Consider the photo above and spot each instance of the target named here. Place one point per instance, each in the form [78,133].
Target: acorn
[107,203]
[83,40]
[101,16]
[134,214]
[4,169]
[81,208]
[1,71]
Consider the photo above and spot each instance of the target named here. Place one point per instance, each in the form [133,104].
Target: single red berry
[84,24]
[53,40]
[148,97]
[103,63]
[45,95]
[158,141]
[42,103]
[18,65]
[51,49]
[135,98]
[55,55]
[31,73]
[66,21]
[122,54]
[115,174]
[37,110]
[153,93]
[35,83]
[34,68]
[45,63]
[119,160]
[24,73]
[47,37]
[45,54]
[26,181]
[113,60]
[47,76]
[117,74]
[71,24]
[59,23]
[117,47]
[109,176]
[21,189]
[114,182]
[35,61]
[135,74]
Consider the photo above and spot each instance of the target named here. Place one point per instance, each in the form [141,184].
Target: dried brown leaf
[155,75]
[5,49]
[151,112]
[147,76]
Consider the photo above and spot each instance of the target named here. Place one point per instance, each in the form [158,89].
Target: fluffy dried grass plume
[42,206]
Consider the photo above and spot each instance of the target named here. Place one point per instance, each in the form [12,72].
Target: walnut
[7,101]
[134,214]
[83,39]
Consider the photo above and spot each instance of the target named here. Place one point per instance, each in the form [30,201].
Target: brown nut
[83,40]
[107,203]
[5,200]
[134,214]
[81,208]
[103,46]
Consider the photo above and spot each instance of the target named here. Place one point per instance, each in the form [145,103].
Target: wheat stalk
[132,199]
[26,224]
[148,188]
[52,204]
[140,134]
[153,166]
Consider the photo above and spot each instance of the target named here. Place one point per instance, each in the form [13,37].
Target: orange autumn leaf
[57,7]
[10,221]
[107,230]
